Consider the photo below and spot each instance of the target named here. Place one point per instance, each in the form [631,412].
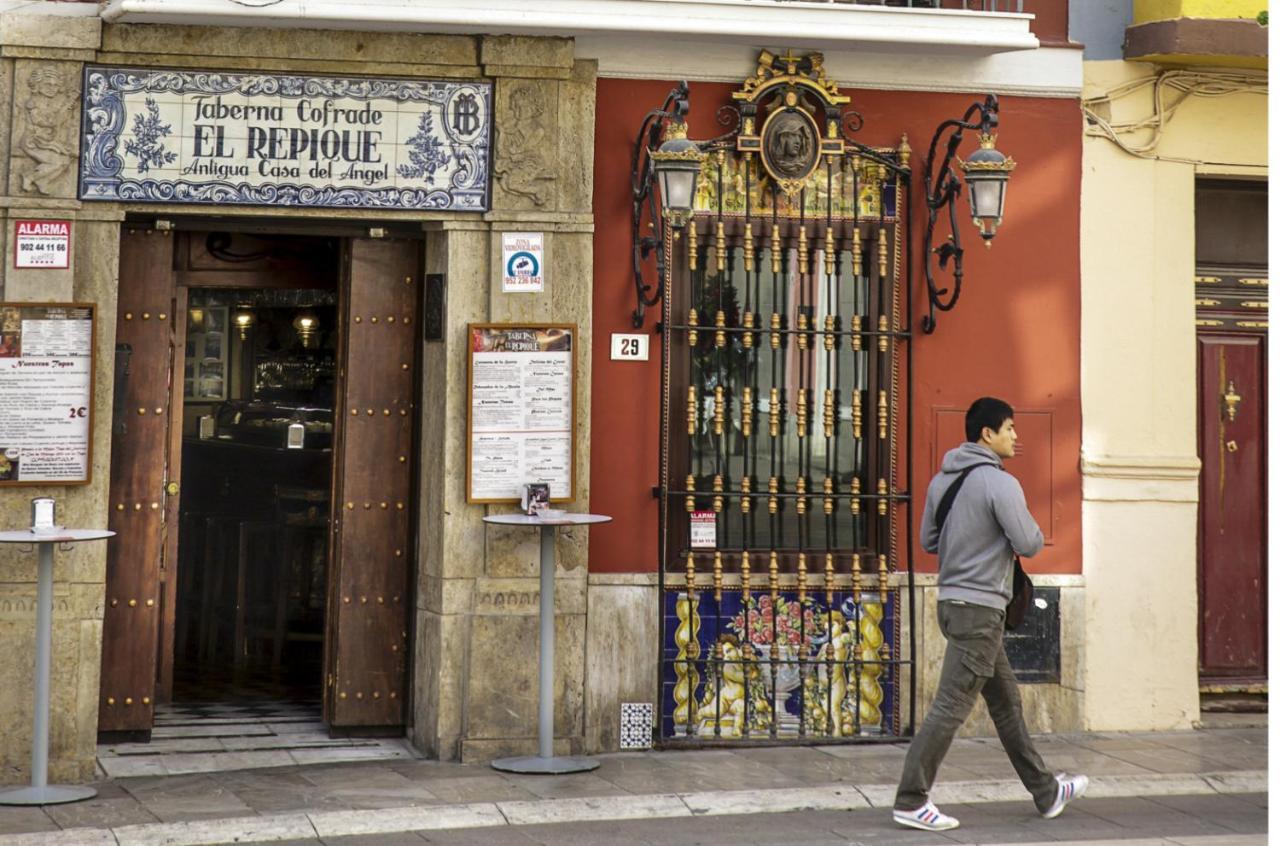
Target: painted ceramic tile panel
[745,697]
[202,137]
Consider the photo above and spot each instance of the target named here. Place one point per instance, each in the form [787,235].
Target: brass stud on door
[371,412]
[120,506]
[133,603]
[368,505]
[163,316]
[150,603]
[159,411]
[146,315]
[386,412]
[114,603]
[364,600]
[355,411]
[137,506]
[346,600]
[373,319]
[392,694]
[404,367]
[111,700]
[359,319]
[359,695]
[342,695]
[128,315]
[146,700]
[142,411]
[128,700]
[383,506]
[405,320]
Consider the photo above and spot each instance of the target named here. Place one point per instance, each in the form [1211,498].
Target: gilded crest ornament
[798,111]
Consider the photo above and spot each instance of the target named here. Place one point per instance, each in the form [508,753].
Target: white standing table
[41,792]
[545,761]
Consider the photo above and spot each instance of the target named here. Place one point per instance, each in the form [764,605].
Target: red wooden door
[1232,539]
[372,545]
[147,323]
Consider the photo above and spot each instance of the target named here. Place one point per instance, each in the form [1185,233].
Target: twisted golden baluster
[720,329]
[857,251]
[693,246]
[748,323]
[803,251]
[717,418]
[720,246]
[686,671]
[829,253]
[745,568]
[882,415]
[802,503]
[802,412]
[872,694]
[773,494]
[689,487]
[717,502]
[717,576]
[829,338]
[775,413]
[802,325]
[855,488]
[855,332]
[748,411]
[775,336]
[882,491]
[857,414]
[828,488]
[882,252]
[775,249]
[883,340]
[745,504]
[691,410]
[693,327]
[829,579]
[828,412]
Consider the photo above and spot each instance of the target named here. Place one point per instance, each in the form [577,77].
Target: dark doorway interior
[257,463]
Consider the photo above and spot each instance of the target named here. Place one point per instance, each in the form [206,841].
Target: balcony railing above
[958,27]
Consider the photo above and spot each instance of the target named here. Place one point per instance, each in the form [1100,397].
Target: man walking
[987,523]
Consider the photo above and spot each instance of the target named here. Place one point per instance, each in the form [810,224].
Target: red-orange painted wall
[1015,333]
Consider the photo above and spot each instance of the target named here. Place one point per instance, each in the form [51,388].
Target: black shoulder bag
[1016,610]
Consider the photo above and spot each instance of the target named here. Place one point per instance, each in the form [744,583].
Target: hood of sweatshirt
[968,455]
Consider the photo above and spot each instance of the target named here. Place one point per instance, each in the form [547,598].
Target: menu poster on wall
[520,414]
[46,393]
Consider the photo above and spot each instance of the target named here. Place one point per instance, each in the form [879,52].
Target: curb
[829,797]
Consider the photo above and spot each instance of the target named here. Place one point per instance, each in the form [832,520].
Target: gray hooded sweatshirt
[988,523]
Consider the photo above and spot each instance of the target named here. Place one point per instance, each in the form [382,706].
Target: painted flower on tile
[426,152]
[783,615]
[148,134]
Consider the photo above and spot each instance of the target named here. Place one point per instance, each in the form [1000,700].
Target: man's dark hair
[986,413]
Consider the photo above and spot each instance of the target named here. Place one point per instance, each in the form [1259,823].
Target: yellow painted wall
[1146,11]
[1139,420]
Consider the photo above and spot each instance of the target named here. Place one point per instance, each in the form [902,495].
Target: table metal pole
[40,792]
[44,637]
[547,645]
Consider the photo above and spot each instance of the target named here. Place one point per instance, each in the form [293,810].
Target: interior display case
[267,424]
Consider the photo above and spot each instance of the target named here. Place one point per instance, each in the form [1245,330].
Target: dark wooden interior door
[372,546]
[1232,539]
[147,330]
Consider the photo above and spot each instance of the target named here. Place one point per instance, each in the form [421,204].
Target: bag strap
[944,505]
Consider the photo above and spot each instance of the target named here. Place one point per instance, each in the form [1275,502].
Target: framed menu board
[46,393]
[520,410]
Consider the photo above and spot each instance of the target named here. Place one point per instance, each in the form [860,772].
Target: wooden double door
[371,528]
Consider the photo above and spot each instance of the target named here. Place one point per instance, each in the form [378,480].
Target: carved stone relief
[524,166]
[44,149]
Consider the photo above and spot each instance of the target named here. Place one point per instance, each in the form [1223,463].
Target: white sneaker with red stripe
[1069,787]
[926,818]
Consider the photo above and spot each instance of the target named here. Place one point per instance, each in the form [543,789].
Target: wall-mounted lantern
[986,172]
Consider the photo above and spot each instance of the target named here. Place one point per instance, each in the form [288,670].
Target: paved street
[1185,820]
[1197,784]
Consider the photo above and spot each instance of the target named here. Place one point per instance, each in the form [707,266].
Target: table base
[535,764]
[50,794]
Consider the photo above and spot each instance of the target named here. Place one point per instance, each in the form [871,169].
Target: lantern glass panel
[986,197]
[677,189]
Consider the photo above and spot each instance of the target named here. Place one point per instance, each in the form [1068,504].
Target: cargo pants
[975,662]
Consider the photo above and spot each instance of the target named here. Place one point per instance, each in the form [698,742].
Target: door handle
[1230,399]
[171,489]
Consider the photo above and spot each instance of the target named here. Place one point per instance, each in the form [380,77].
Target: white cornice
[1046,72]
[742,22]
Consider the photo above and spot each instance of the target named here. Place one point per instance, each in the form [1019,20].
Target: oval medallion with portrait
[789,147]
